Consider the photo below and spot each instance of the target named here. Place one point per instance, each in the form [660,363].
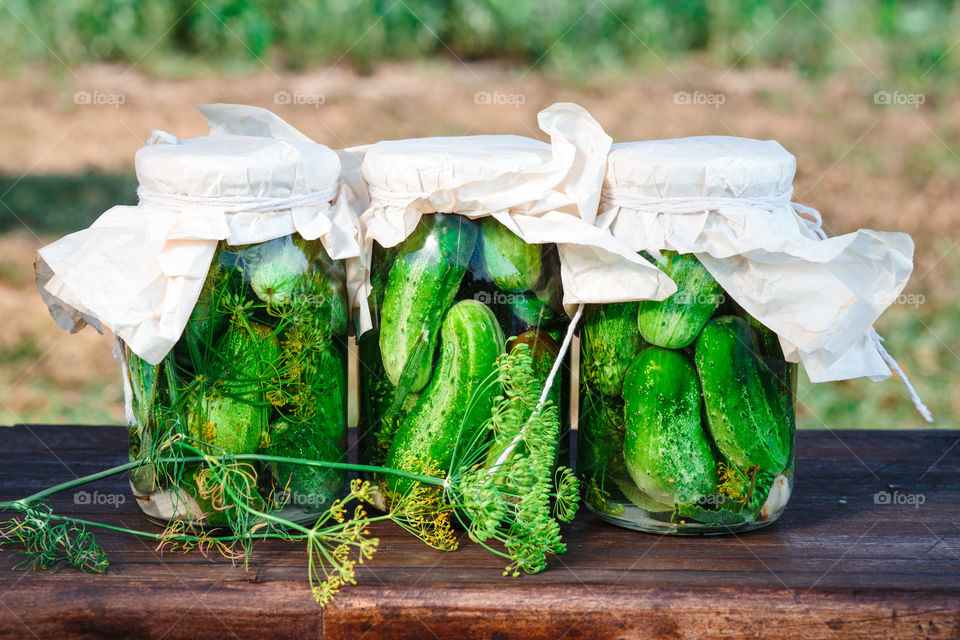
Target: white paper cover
[728,201]
[139,270]
[544,193]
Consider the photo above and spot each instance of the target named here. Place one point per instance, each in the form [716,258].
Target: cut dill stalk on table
[502,487]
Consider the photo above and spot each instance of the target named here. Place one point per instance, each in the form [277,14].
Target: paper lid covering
[427,164]
[139,270]
[714,166]
[543,193]
[218,166]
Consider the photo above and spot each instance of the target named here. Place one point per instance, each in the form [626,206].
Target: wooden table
[837,565]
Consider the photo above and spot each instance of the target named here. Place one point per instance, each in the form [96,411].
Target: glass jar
[687,411]
[445,302]
[260,368]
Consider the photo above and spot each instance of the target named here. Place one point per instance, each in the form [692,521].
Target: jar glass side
[687,412]
[261,367]
[448,269]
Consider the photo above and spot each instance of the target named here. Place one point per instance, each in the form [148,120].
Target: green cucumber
[746,413]
[325,375]
[311,488]
[639,498]
[313,377]
[379,274]
[725,514]
[274,269]
[226,423]
[208,319]
[511,263]
[206,322]
[323,295]
[609,342]
[231,415]
[530,309]
[665,448]
[783,374]
[765,342]
[675,322]
[426,273]
[145,382]
[455,405]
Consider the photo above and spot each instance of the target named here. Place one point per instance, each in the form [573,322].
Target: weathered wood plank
[838,564]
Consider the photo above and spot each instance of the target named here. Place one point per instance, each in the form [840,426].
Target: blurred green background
[184,37]
[807,73]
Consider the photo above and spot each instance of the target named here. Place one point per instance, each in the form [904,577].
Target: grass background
[803,72]
[184,37]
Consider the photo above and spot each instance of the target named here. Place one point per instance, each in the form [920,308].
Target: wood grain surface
[837,565]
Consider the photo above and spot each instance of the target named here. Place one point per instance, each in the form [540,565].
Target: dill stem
[416,477]
[161,536]
[100,475]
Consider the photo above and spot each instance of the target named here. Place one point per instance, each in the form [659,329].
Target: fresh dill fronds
[52,545]
[504,486]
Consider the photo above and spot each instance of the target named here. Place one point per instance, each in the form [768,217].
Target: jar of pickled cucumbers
[226,288]
[687,411]
[456,279]
[687,403]
[446,302]
[261,367]
[688,371]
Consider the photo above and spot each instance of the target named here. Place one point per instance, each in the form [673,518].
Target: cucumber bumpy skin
[609,342]
[232,415]
[511,263]
[327,381]
[312,488]
[675,322]
[453,408]
[745,409]
[428,268]
[665,448]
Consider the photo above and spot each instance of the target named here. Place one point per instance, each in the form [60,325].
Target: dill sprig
[337,542]
[503,486]
[51,545]
[422,509]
